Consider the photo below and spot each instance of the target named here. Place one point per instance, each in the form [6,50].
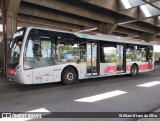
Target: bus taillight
[11,72]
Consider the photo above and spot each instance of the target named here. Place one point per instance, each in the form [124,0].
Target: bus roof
[101,37]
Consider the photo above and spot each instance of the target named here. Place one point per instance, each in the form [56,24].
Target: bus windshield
[15,48]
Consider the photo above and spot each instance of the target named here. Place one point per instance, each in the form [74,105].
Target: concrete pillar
[10,10]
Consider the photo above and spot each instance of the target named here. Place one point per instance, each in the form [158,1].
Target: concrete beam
[148,37]
[26,20]
[35,11]
[111,5]
[107,4]
[120,34]
[25,23]
[77,11]
[138,14]
[80,9]
[143,27]
[151,20]
[76,8]
[133,3]
[122,19]
[105,28]
[157,38]
[154,3]
[132,12]
[128,31]
[150,1]
[152,10]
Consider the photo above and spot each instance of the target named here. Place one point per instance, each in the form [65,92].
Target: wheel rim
[134,70]
[70,76]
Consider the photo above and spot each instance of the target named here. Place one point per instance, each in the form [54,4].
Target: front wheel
[69,76]
[134,70]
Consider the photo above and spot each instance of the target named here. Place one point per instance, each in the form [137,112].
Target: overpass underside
[139,19]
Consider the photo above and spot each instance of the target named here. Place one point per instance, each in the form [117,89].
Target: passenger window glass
[40,49]
[70,50]
[142,53]
[132,53]
[108,53]
[136,53]
[46,48]
[150,55]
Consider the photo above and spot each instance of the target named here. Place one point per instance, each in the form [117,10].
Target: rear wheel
[69,76]
[134,70]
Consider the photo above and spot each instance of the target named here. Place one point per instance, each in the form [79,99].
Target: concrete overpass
[115,17]
[138,19]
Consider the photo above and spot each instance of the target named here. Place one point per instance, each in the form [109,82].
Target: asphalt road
[58,98]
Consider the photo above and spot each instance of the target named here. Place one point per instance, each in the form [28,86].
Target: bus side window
[132,53]
[66,51]
[108,52]
[39,49]
[142,51]
[150,53]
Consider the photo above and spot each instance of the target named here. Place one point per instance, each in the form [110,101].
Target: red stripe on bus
[110,69]
[141,67]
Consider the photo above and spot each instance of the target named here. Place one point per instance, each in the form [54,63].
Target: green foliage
[128,56]
[150,55]
[110,58]
[62,48]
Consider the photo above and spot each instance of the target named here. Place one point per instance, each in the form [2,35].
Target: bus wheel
[134,70]
[69,76]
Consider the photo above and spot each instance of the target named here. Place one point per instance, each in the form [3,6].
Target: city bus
[38,55]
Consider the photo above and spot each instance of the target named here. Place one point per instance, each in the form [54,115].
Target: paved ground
[58,98]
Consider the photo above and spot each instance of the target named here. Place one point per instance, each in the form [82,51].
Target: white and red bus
[38,55]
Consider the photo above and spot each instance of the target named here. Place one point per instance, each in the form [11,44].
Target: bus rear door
[92,69]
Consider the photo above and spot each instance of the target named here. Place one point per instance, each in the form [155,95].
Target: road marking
[39,110]
[101,96]
[150,84]
[24,119]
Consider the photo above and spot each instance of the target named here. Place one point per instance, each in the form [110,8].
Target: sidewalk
[3,79]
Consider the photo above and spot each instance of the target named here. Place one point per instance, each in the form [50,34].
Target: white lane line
[39,110]
[101,96]
[25,119]
[150,84]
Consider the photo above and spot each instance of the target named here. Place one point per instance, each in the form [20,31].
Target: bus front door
[120,59]
[92,59]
